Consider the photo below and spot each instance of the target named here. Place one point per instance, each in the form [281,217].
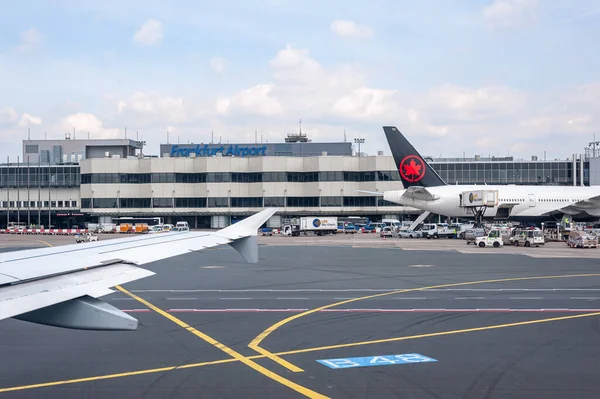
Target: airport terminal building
[69,182]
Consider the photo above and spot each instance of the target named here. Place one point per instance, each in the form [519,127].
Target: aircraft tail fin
[414,170]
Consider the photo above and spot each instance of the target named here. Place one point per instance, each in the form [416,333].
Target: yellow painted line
[234,354]
[436,334]
[44,242]
[255,343]
[291,352]
[277,359]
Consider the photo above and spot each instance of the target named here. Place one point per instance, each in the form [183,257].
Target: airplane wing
[419,193]
[589,206]
[60,286]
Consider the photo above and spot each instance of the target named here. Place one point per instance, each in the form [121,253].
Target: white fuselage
[525,201]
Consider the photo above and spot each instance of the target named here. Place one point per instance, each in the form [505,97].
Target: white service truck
[316,225]
[438,230]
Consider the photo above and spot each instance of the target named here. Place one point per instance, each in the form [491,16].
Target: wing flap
[26,297]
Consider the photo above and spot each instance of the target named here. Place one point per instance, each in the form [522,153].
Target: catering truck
[316,225]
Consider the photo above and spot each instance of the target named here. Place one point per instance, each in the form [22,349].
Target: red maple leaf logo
[411,168]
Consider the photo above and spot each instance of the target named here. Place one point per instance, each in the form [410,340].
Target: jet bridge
[478,201]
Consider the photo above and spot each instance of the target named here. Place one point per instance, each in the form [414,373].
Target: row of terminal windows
[234,202]
[232,177]
[38,204]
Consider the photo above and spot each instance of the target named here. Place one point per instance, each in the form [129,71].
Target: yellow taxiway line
[292,352]
[234,354]
[255,343]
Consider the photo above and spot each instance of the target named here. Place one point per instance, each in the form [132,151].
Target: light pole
[359,141]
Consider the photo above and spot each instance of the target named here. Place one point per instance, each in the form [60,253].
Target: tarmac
[432,318]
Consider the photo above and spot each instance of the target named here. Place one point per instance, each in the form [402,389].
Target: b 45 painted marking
[384,360]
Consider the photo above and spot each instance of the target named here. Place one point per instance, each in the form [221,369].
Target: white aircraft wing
[59,286]
[419,193]
[590,206]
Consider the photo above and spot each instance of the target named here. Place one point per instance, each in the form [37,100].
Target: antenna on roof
[28,133]
[212,136]
[73,133]
[167,137]
[255,137]
[300,127]
[344,135]
[125,132]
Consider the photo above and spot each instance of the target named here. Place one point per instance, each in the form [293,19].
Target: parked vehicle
[471,235]
[86,237]
[410,234]
[527,237]
[266,231]
[181,226]
[435,231]
[493,238]
[386,232]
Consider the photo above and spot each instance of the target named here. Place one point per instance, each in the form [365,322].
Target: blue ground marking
[384,360]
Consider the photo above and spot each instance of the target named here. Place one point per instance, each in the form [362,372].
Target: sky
[486,77]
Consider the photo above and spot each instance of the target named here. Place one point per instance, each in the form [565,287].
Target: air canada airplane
[60,286]
[424,189]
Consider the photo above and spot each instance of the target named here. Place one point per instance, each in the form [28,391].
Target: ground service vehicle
[527,237]
[432,230]
[86,237]
[493,238]
[181,226]
[318,225]
[581,239]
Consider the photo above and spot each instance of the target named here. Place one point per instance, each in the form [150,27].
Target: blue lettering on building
[227,151]
[384,360]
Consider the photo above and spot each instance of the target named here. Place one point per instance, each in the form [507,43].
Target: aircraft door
[531,199]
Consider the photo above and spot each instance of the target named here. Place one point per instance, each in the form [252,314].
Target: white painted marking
[525,297]
[292,299]
[235,299]
[456,310]
[410,298]
[420,265]
[589,298]
[470,297]
[181,299]
[212,267]
[376,290]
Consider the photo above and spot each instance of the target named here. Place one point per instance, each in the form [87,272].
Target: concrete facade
[73,151]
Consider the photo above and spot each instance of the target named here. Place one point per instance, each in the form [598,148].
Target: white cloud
[256,100]
[350,29]
[474,104]
[86,122]
[149,109]
[150,33]
[8,117]
[30,39]
[218,64]
[28,120]
[510,13]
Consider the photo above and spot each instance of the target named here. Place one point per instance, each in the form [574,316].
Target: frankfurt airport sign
[226,151]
